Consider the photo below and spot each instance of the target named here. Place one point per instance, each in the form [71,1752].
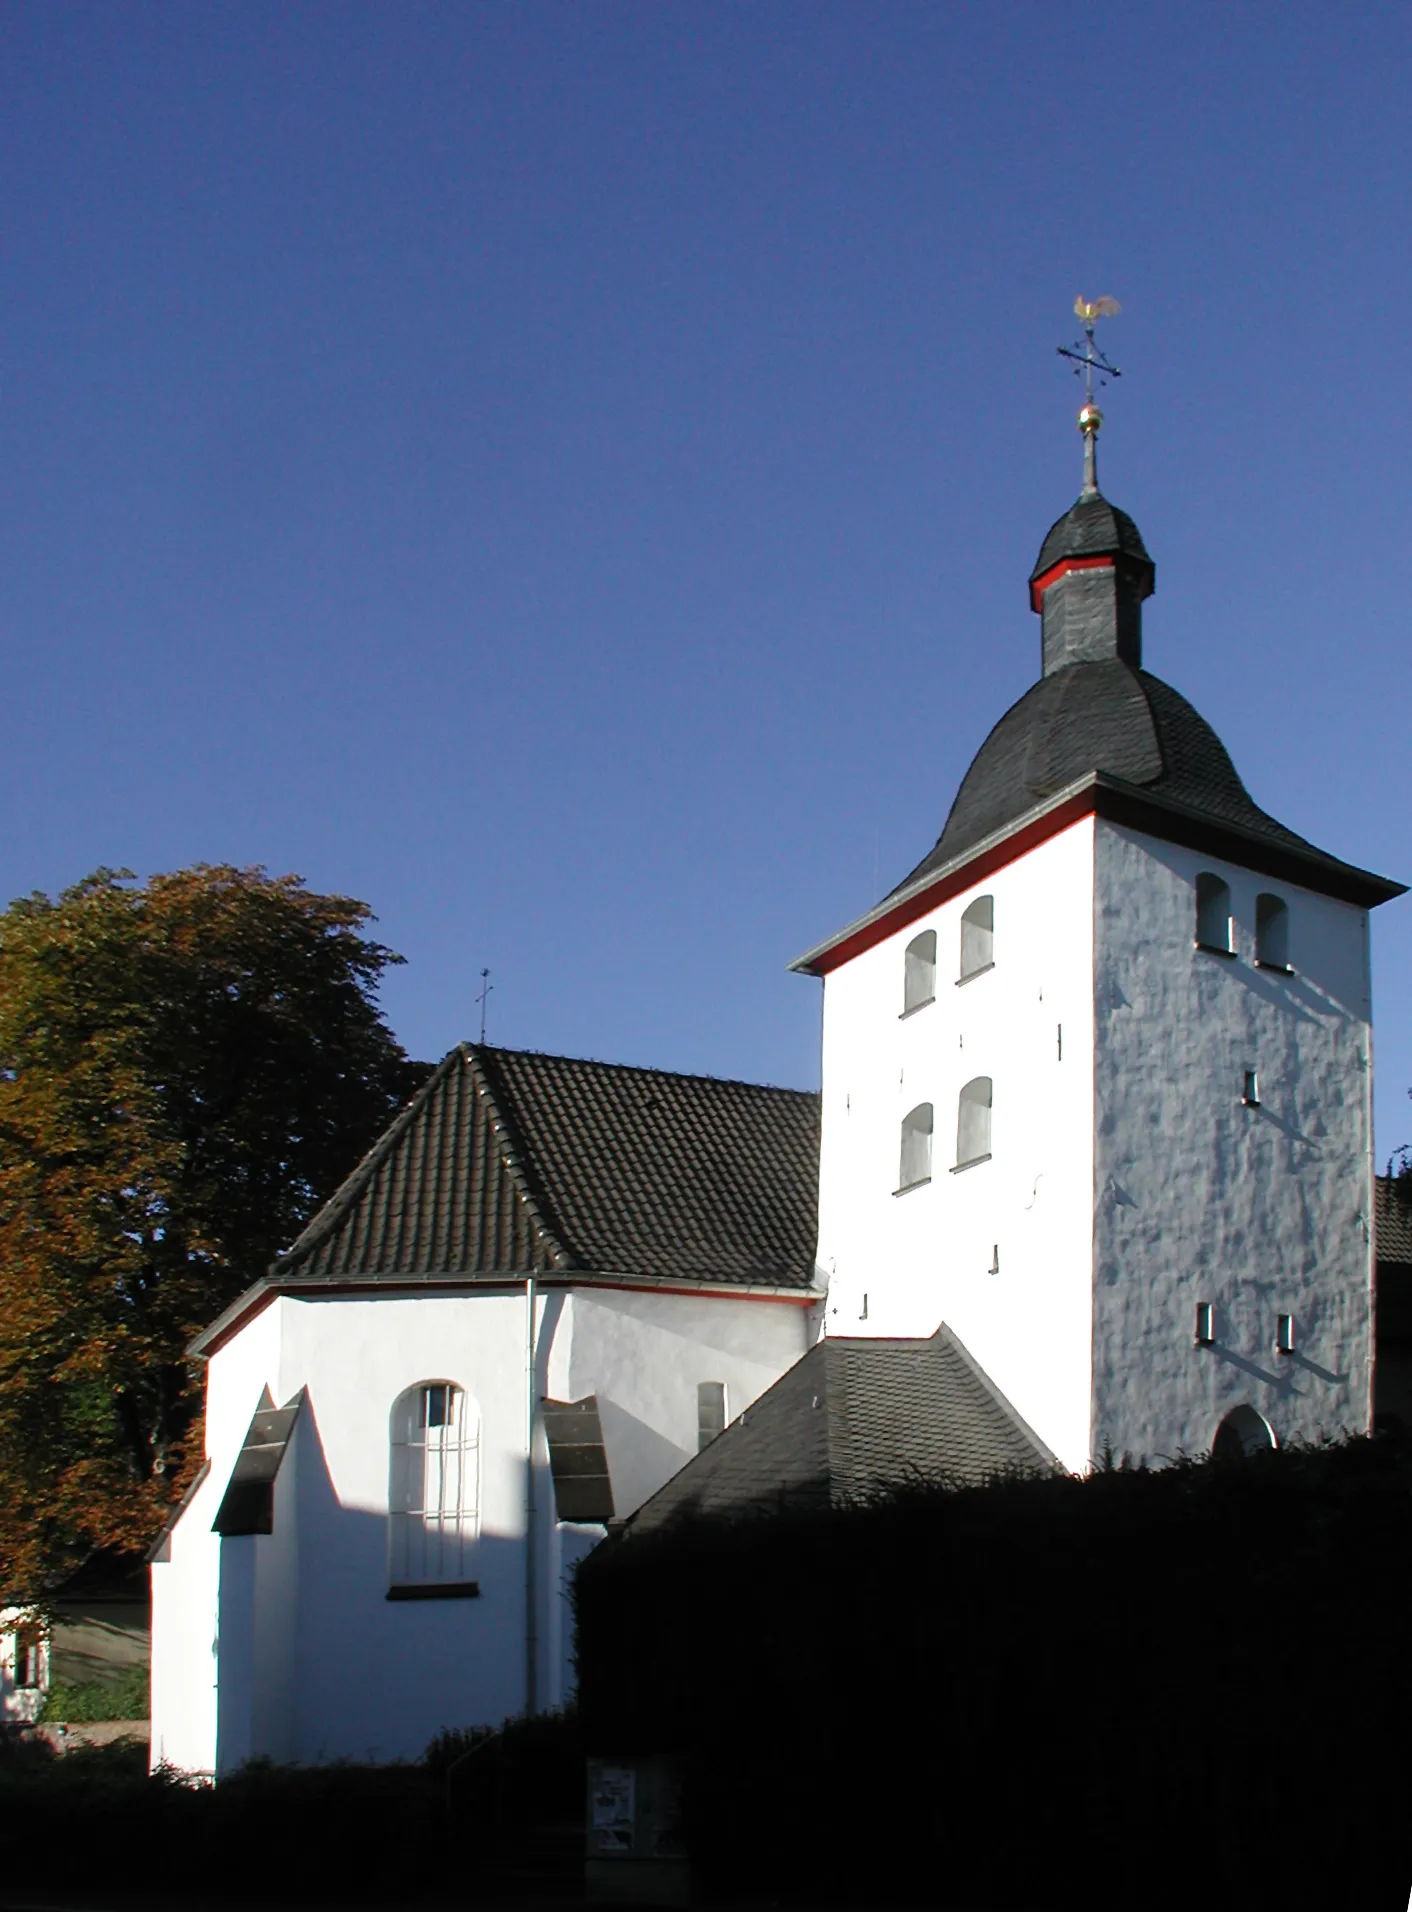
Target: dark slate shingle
[1091,528]
[1111,717]
[851,1416]
[509,1162]
[1392,1223]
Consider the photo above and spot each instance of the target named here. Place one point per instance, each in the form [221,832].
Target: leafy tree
[188,1068]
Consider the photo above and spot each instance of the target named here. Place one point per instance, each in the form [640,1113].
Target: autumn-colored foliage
[188,1068]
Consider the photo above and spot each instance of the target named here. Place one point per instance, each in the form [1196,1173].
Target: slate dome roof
[1091,528]
[1105,716]
[1106,734]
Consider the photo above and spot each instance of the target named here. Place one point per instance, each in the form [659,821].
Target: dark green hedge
[1181,1687]
[445,1831]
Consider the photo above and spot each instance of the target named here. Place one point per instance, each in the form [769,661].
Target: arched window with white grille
[434,1489]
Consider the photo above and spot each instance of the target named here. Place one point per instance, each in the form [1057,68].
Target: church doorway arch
[1242,1432]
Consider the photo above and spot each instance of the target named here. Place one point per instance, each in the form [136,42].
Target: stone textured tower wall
[1261,1210]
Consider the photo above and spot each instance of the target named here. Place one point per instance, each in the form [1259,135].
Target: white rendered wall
[925,1257]
[644,1355]
[316,1663]
[186,1587]
[1261,1211]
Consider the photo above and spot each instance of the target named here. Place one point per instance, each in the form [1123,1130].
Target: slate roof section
[578,1460]
[1392,1223]
[511,1162]
[1092,528]
[248,1504]
[851,1416]
[1113,718]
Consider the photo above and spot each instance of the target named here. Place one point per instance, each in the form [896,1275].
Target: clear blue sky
[567,474]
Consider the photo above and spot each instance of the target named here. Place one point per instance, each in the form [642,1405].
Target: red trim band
[974,871]
[1056,571]
[1131,810]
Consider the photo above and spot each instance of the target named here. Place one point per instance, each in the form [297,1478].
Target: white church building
[1092,1168]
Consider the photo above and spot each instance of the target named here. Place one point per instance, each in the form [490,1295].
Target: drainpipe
[531,1536]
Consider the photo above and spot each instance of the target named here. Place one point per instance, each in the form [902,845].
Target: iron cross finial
[1088,358]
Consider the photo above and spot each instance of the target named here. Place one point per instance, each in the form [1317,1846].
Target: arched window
[973,1123]
[919,972]
[977,938]
[1271,931]
[916,1164]
[434,1490]
[1242,1432]
[1213,913]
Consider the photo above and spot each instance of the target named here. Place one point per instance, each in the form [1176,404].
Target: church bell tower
[1097,1072]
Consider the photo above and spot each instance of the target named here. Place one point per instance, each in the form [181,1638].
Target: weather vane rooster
[1088,359]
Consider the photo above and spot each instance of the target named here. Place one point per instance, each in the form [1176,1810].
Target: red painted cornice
[975,870]
[1039,585]
[1130,806]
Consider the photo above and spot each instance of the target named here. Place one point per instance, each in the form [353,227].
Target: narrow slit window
[29,1646]
[1205,1324]
[977,938]
[710,1412]
[973,1123]
[1284,1334]
[1271,931]
[915,1166]
[1213,913]
[1250,1089]
[919,972]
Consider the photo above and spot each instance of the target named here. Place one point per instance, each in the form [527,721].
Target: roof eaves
[1345,880]
[160,1550]
[403,1286]
[1271,855]
[898,899]
[254,1298]
[705,1284]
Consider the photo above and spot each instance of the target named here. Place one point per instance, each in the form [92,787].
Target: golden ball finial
[1090,418]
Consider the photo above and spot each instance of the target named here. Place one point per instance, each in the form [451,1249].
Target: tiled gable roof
[851,1416]
[1392,1222]
[509,1162]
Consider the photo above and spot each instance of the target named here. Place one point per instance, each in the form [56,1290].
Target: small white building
[24,1665]
[542,1291]
[1095,1171]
